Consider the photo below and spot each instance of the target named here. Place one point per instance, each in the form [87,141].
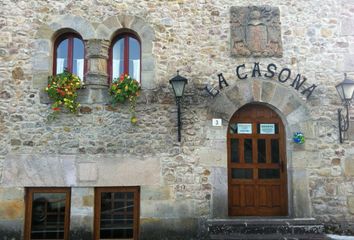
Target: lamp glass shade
[178,88]
[178,83]
[346,90]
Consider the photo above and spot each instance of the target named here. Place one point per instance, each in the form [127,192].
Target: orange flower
[56,109]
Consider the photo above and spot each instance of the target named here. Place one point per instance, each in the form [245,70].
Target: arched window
[125,57]
[69,53]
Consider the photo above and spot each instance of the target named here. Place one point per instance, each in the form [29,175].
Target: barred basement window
[125,56]
[47,213]
[117,212]
[69,53]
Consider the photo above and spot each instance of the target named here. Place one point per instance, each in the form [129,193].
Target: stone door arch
[294,112]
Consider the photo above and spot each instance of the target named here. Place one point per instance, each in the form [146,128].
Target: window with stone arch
[69,54]
[125,56]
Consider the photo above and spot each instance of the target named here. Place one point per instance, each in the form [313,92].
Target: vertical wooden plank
[276,196]
[262,196]
[249,196]
[236,196]
[242,195]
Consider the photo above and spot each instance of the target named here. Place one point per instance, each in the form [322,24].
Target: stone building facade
[181,184]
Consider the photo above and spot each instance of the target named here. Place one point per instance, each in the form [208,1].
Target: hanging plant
[299,138]
[126,88]
[62,89]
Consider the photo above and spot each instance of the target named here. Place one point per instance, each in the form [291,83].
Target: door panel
[256,163]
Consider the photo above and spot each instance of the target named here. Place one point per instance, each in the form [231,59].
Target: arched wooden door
[257,175]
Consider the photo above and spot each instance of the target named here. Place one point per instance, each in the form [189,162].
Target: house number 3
[217,122]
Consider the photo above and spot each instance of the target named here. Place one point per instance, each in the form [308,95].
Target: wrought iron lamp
[346,92]
[178,83]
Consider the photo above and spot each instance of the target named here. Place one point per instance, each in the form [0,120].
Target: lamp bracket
[343,122]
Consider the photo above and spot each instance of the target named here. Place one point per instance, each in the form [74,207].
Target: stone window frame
[61,37]
[97,38]
[28,208]
[124,33]
[136,211]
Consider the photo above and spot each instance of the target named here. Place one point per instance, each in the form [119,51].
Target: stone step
[272,228]
[269,237]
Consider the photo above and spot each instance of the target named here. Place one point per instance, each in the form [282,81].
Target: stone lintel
[41,170]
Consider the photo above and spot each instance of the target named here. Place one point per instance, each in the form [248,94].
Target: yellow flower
[133,120]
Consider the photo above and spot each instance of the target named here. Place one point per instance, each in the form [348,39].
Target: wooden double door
[257,175]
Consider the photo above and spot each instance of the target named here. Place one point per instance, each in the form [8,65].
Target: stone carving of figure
[256,32]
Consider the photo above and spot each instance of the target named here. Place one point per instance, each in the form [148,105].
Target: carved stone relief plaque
[255,31]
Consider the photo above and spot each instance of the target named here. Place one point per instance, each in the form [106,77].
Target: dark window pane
[130,207]
[62,56]
[78,58]
[248,150]
[48,212]
[118,59]
[268,173]
[130,195]
[246,173]
[119,205]
[275,150]
[119,196]
[234,150]
[233,128]
[111,233]
[134,58]
[261,150]
[117,221]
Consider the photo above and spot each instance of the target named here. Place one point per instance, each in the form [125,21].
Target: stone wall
[181,182]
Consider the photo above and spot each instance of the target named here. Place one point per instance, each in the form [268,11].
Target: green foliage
[125,88]
[62,89]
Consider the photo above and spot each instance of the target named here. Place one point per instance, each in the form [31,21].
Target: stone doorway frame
[295,114]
